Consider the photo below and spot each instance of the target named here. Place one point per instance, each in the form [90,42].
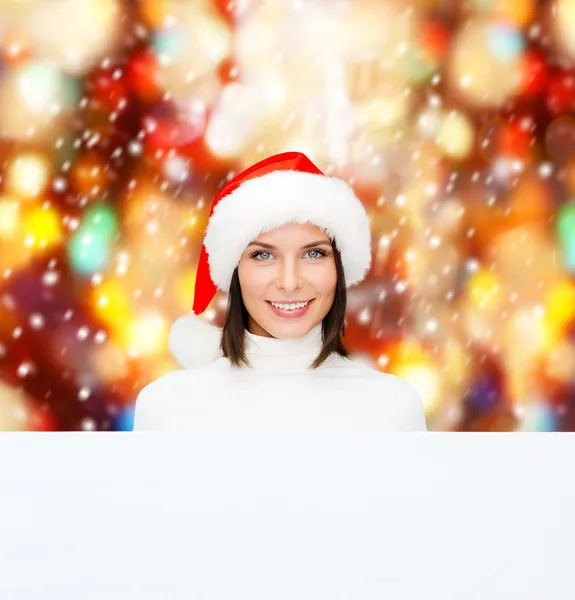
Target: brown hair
[237,320]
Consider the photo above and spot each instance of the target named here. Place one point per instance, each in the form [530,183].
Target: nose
[289,275]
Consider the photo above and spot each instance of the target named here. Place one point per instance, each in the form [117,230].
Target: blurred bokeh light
[119,122]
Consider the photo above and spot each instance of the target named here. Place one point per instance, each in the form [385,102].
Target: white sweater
[280,393]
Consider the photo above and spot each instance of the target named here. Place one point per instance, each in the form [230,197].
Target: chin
[290,331]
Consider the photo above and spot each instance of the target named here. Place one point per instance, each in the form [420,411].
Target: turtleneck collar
[284,356]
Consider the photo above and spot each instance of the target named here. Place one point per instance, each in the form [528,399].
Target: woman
[285,242]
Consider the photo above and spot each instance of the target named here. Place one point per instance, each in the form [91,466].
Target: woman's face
[293,265]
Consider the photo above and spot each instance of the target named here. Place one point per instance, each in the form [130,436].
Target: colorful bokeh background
[454,122]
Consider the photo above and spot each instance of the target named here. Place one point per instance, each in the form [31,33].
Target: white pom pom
[193,342]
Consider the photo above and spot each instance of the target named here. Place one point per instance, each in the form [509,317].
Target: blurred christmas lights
[119,123]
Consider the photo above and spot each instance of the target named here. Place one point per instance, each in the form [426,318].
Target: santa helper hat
[282,189]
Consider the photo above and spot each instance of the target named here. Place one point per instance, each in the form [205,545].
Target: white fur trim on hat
[275,199]
[193,342]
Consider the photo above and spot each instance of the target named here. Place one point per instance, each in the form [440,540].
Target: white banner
[308,516]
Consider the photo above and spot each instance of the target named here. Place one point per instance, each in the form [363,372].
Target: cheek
[325,280]
[251,278]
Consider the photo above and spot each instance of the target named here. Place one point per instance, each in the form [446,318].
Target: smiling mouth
[289,305]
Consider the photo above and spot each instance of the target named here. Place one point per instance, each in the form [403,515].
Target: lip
[290,314]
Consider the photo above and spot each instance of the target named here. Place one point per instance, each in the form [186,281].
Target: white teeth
[291,306]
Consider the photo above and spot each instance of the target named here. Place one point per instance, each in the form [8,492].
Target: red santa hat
[285,188]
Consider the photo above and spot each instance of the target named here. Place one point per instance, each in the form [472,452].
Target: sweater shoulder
[353,368]
[387,386]
[178,378]
[151,402]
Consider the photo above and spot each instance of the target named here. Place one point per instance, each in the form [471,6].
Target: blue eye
[260,255]
[319,253]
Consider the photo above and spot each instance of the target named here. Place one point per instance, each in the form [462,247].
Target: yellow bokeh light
[426,380]
[560,306]
[184,289]
[517,12]
[9,217]
[455,361]
[111,303]
[145,335]
[485,289]
[156,12]
[15,408]
[456,135]
[385,111]
[407,351]
[409,361]
[528,335]
[42,227]
[28,175]
[564,17]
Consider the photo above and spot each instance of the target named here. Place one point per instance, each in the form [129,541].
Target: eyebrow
[310,245]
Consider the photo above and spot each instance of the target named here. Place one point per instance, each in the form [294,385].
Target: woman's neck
[283,355]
